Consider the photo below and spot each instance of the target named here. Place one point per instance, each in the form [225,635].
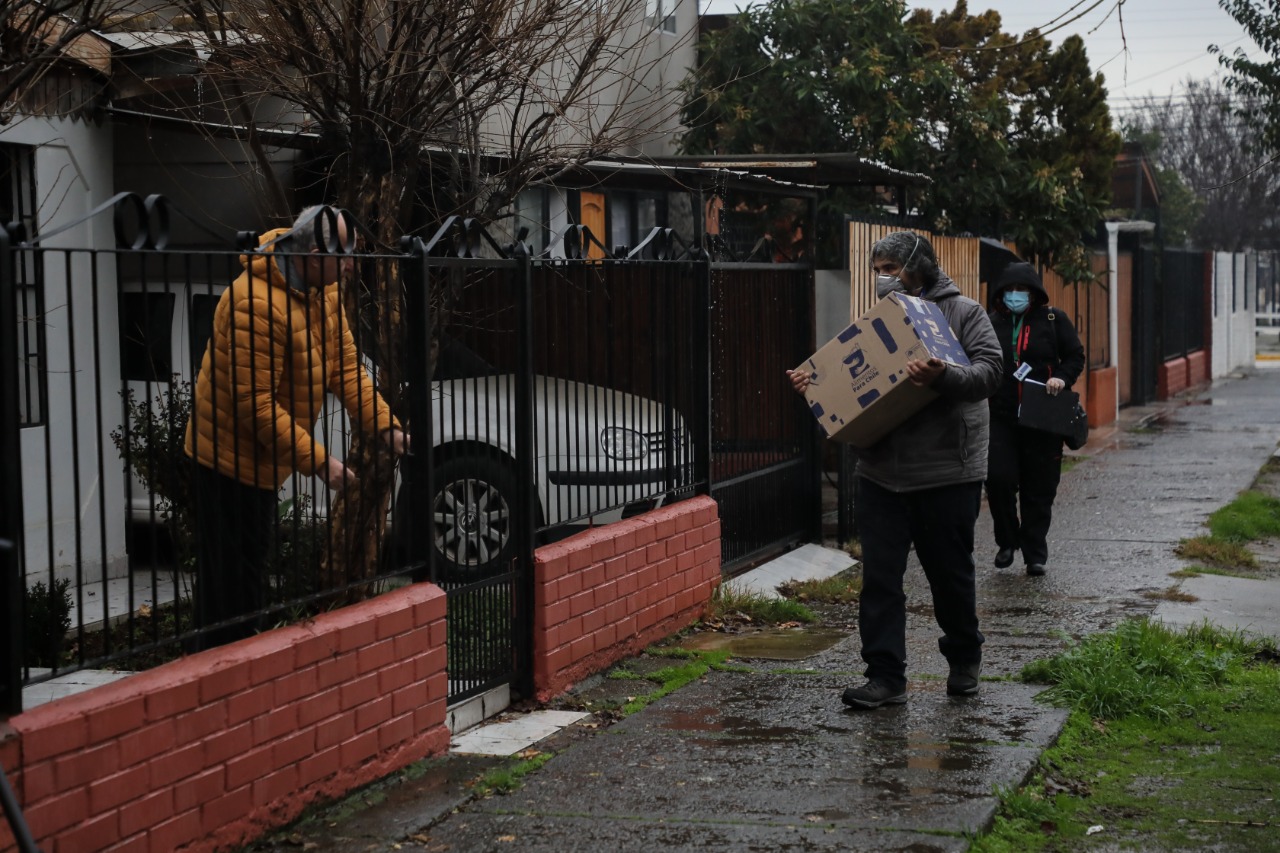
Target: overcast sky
[1167,40]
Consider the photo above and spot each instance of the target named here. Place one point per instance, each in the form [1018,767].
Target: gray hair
[913,252]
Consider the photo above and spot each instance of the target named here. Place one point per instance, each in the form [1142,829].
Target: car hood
[568,415]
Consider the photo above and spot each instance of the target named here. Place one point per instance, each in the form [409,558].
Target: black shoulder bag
[1078,424]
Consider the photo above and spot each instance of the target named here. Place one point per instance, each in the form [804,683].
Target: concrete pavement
[769,759]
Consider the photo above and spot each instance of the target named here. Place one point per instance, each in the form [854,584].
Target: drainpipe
[1113,290]
[1113,303]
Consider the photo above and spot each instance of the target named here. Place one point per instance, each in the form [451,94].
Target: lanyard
[1018,344]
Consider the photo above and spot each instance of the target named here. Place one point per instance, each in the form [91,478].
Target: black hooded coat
[1046,340]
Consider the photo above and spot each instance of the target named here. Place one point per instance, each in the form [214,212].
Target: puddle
[768,643]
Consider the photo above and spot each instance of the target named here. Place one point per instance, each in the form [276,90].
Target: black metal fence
[764,466]
[540,395]
[1183,290]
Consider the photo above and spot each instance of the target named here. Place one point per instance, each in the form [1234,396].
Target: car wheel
[472,517]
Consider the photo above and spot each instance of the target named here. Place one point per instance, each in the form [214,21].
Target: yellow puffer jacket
[273,354]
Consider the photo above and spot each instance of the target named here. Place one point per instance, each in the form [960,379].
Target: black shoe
[963,679]
[873,694]
[1004,558]
[1035,570]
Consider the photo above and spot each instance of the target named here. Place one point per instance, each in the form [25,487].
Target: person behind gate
[922,484]
[1025,464]
[280,341]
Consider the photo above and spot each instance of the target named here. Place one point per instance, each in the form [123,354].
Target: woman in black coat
[1025,463]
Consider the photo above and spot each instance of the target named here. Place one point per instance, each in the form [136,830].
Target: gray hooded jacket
[945,443]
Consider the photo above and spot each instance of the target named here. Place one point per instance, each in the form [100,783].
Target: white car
[599,455]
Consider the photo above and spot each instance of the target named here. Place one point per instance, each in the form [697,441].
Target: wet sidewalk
[768,758]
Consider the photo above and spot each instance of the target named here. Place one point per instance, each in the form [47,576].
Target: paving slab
[1248,605]
[808,562]
[513,732]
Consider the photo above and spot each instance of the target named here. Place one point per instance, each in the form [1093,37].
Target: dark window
[18,207]
[202,307]
[146,336]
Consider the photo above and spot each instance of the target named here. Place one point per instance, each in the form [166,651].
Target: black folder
[1040,410]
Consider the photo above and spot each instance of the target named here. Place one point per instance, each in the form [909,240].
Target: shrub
[48,619]
[151,445]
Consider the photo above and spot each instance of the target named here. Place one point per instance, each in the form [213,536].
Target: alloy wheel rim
[472,522]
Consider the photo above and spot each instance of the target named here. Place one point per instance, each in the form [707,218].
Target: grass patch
[1069,462]
[853,548]
[1250,517]
[734,605]
[1173,593]
[843,588]
[1197,571]
[1139,669]
[504,780]
[1217,551]
[671,678]
[1190,770]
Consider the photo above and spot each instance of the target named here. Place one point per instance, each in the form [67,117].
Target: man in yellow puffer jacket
[280,342]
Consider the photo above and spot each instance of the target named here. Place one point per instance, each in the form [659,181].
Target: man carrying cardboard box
[921,485]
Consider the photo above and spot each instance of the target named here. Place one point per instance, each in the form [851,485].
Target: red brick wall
[606,593]
[207,752]
[1171,378]
[1197,368]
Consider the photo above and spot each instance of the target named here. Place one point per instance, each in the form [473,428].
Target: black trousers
[1023,467]
[234,529]
[939,522]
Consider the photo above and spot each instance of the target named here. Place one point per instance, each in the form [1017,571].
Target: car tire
[473,518]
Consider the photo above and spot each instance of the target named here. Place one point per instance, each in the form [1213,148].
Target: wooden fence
[1086,304]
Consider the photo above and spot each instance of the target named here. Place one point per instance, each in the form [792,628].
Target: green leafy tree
[1256,77]
[1015,134]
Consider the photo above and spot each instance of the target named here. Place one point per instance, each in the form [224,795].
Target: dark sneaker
[873,694]
[1004,558]
[1035,570]
[963,679]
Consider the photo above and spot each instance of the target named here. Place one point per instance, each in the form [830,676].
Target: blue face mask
[1017,301]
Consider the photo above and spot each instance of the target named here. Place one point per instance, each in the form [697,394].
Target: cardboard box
[858,385]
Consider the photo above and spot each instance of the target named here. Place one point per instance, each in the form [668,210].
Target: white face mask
[886,284]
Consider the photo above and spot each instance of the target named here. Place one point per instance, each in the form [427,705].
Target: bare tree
[37,37]
[1200,136]
[450,106]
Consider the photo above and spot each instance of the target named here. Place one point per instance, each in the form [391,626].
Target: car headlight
[623,443]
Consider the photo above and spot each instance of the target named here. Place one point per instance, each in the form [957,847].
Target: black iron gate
[583,378]
[1182,285]
[764,470]
[1145,346]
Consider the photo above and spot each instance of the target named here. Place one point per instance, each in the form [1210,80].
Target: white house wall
[639,99]
[1234,345]
[676,55]
[72,489]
